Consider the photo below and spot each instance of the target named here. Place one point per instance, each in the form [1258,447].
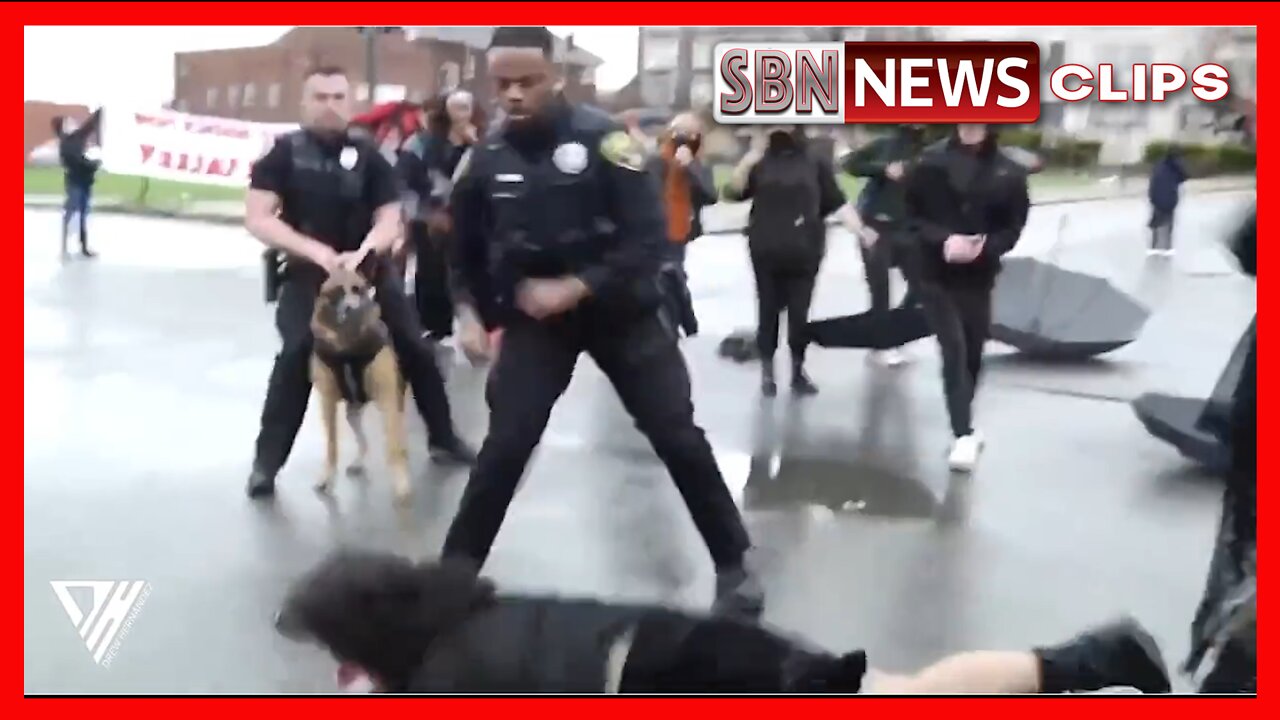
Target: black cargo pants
[643,362]
[289,388]
[891,250]
[960,316]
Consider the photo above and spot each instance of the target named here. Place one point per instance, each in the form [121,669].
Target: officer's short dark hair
[524,36]
[324,71]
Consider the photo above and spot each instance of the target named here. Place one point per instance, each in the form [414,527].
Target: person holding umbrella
[966,205]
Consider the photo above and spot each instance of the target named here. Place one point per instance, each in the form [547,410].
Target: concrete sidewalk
[725,217]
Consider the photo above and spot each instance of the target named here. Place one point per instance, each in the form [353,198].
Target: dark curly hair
[437,110]
[381,611]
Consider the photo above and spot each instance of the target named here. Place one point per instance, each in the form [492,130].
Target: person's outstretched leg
[768,308]
[1119,654]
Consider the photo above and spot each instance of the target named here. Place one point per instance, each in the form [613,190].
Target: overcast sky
[134,65]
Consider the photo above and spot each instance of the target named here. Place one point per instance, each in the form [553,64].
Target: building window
[701,90]
[449,76]
[182,69]
[211,97]
[469,69]
[704,50]
[250,94]
[273,95]
[659,89]
[233,96]
[588,76]
[661,53]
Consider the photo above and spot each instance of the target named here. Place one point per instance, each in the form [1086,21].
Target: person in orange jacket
[687,187]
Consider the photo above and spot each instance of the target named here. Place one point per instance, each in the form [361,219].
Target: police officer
[327,200]
[560,237]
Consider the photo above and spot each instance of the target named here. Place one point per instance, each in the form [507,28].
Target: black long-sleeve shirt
[573,200]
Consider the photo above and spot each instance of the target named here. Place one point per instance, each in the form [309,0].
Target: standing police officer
[560,237]
[328,200]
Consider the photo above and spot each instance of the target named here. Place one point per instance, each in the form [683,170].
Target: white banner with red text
[170,145]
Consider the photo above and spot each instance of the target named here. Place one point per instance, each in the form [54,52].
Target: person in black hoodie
[792,191]
[398,626]
[966,206]
[885,162]
[79,173]
[1166,178]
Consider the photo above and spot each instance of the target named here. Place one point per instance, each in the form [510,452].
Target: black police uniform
[574,199]
[329,190]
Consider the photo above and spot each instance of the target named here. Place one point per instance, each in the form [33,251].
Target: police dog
[353,363]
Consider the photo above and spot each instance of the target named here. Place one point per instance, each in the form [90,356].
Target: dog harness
[349,369]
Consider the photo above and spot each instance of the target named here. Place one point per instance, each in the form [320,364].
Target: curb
[214,219]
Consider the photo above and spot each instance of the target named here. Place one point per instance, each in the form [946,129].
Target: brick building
[265,83]
[37,122]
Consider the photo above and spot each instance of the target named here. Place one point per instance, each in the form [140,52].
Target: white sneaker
[964,452]
[888,358]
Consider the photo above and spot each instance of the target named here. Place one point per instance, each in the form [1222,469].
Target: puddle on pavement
[843,486]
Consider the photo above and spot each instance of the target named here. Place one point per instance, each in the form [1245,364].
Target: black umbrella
[1046,311]
[874,330]
[1198,427]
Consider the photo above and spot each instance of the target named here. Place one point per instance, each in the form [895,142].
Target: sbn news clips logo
[114,606]
[927,82]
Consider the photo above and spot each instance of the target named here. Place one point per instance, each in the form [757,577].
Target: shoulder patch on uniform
[619,148]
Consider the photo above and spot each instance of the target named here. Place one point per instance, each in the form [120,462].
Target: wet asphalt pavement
[143,381]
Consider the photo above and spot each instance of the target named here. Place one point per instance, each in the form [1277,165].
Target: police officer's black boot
[768,385]
[800,382]
[738,593]
[453,451]
[1119,654]
[261,483]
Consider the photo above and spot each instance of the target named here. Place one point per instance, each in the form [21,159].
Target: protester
[884,162]
[397,626]
[1166,179]
[427,165]
[80,170]
[966,206]
[1226,620]
[792,191]
[687,187]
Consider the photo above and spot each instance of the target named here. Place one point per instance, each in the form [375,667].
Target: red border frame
[640,13]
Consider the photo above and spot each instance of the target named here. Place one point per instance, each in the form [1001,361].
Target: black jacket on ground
[954,190]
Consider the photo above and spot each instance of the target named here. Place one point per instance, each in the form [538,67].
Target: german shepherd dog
[353,363]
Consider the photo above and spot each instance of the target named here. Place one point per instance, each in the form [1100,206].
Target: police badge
[622,150]
[570,158]
[347,159]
